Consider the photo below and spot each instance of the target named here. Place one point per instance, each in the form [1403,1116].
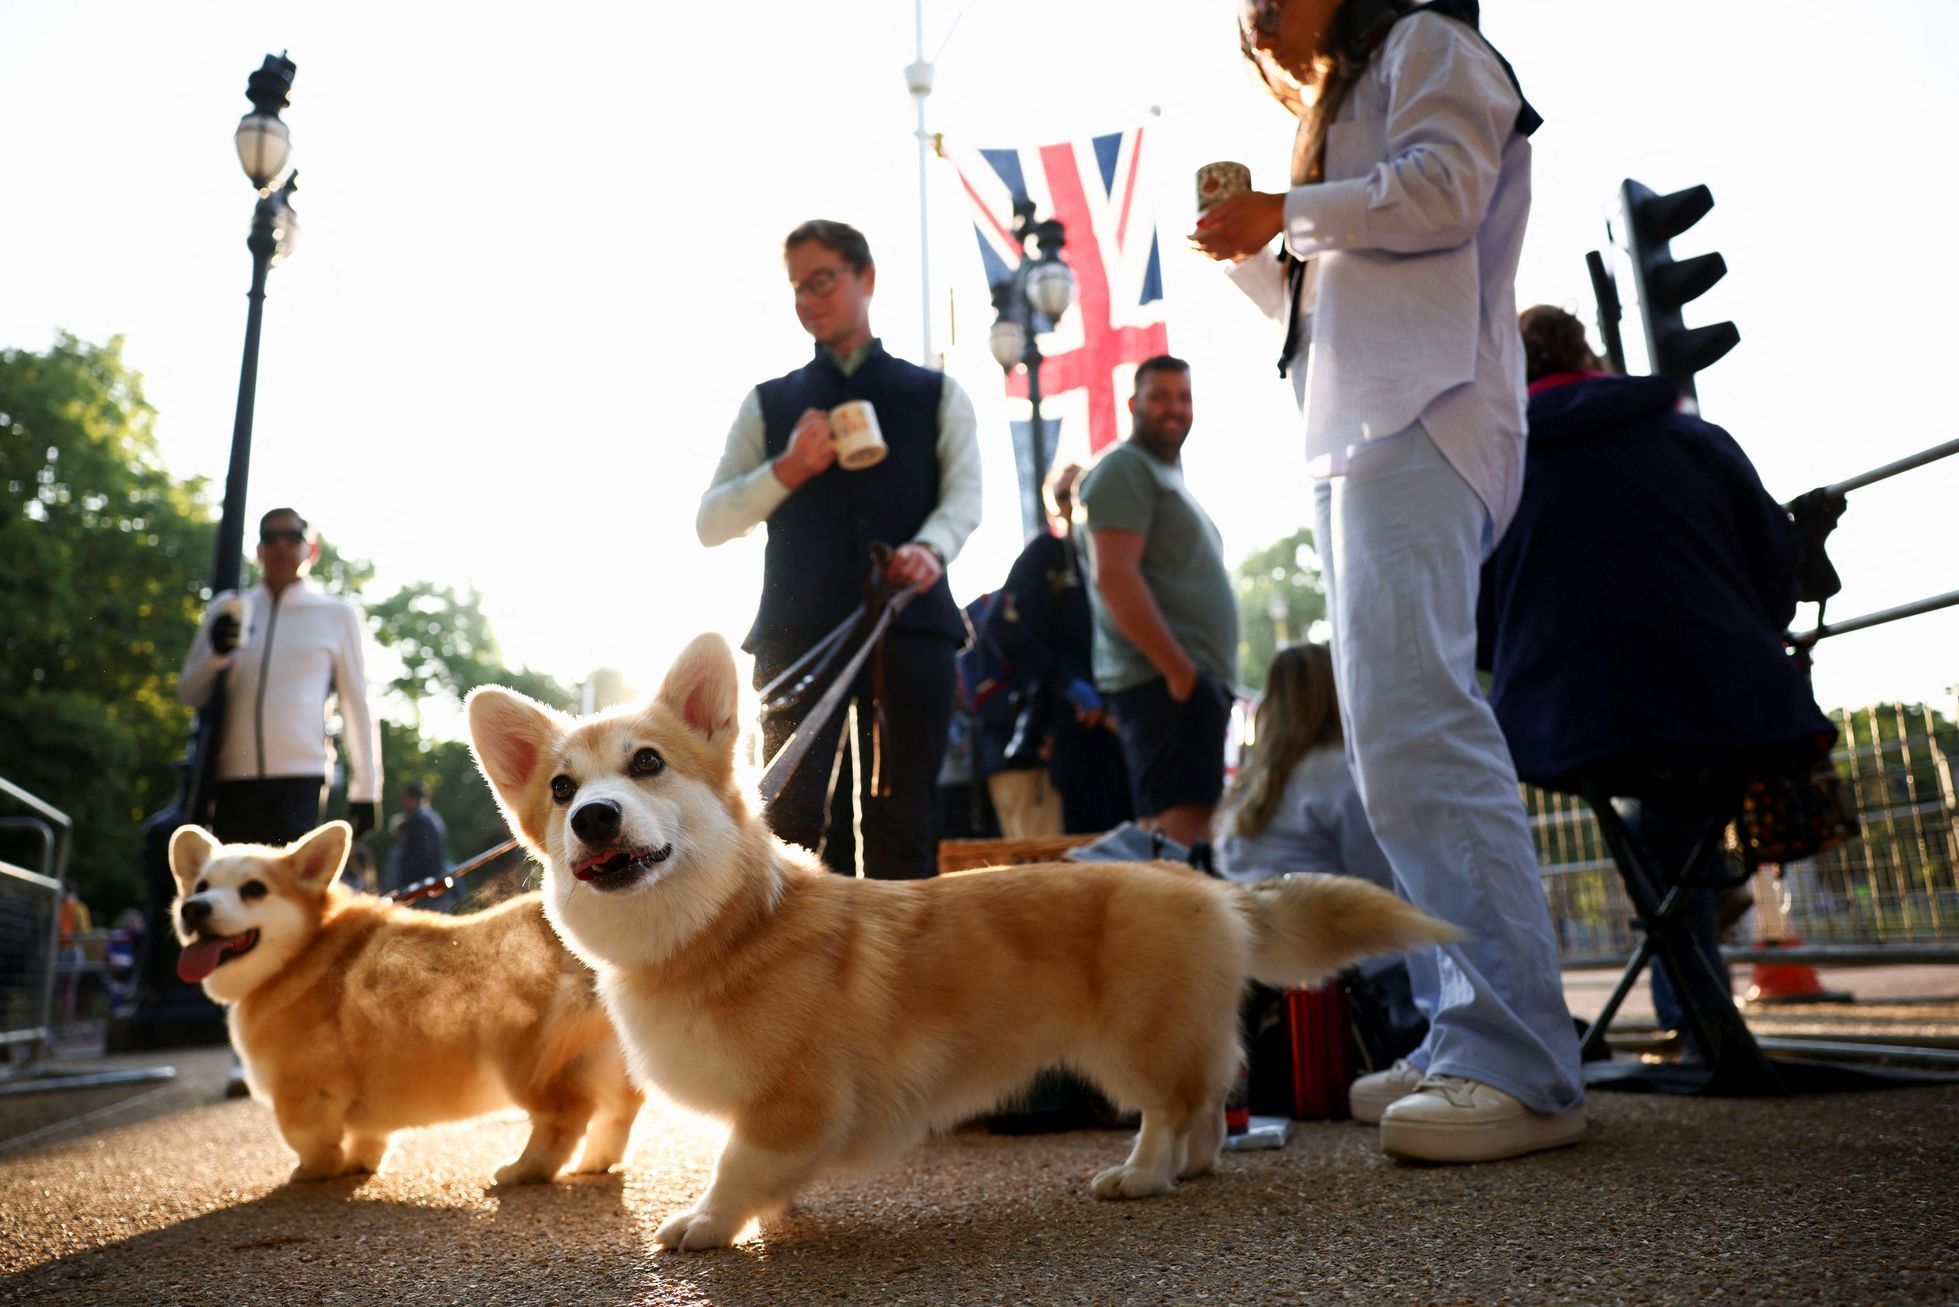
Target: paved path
[1824,1199]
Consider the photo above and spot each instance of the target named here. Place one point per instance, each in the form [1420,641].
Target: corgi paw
[368,1155]
[522,1172]
[314,1172]
[598,1165]
[694,1230]
[1129,1182]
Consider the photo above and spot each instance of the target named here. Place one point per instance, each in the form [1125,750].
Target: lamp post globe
[1051,287]
[1008,341]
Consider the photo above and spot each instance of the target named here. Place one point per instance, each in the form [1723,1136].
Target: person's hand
[914,564]
[1085,701]
[1239,226]
[1182,682]
[361,817]
[224,633]
[810,450]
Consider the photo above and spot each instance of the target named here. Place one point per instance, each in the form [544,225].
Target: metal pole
[226,567]
[1913,609]
[921,86]
[1906,464]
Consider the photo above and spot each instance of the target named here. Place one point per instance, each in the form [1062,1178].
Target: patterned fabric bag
[1797,814]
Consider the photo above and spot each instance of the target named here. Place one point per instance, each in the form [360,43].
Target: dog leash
[434,885]
[880,605]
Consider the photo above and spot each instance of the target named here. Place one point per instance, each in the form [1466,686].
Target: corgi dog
[832,1021]
[356,1017]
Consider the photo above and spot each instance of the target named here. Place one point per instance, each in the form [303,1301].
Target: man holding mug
[285,646]
[920,497]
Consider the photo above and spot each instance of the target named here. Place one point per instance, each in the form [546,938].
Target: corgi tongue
[200,958]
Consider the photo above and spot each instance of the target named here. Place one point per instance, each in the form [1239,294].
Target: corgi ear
[316,859]
[190,848]
[701,687]
[513,738]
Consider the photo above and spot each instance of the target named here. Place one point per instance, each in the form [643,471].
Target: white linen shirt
[1412,242]
[300,648]
[745,490]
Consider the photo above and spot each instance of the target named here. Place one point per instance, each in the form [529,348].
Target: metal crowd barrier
[30,925]
[30,963]
[1889,896]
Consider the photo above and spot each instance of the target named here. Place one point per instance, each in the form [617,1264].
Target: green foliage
[1282,578]
[446,646]
[104,556]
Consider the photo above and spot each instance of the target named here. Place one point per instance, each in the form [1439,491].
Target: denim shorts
[1174,751]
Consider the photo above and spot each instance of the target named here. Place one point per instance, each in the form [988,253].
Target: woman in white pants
[1396,252]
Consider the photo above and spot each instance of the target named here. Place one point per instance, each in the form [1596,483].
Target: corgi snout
[596,821]
[195,913]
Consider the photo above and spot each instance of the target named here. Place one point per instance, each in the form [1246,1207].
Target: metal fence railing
[1890,894]
[30,916]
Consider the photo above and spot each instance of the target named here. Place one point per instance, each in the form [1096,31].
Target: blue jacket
[1636,606]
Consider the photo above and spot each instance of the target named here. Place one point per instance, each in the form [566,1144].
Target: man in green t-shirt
[1166,617]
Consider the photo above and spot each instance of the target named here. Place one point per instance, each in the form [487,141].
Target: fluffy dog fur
[834,1021]
[355,1017]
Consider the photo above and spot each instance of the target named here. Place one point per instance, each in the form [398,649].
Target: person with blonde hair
[1391,260]
[1293,806]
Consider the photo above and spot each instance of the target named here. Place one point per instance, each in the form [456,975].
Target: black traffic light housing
[1648,223]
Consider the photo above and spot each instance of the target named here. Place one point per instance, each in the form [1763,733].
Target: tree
[104,556]
[1280,597]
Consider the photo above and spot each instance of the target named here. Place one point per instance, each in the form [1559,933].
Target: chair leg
[1735,1062]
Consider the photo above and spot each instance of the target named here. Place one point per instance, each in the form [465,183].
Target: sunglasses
[287,537]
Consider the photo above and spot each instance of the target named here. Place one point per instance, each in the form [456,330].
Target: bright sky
[538,265]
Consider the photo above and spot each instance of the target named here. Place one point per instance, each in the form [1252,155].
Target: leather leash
[881,604]
[434,885]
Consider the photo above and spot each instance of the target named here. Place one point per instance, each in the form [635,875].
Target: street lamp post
[264,147]
[167,1010]
[1029,301]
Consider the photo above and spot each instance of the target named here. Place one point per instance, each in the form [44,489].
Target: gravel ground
[1821,1199]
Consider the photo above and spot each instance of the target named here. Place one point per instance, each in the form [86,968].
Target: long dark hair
[1352,38]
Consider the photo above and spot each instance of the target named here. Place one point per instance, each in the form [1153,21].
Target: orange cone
[1789,982]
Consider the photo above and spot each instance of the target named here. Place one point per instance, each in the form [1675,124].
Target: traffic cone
[1789,982]
[1782,982]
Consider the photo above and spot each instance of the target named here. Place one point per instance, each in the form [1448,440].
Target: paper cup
[855,433]
[1217,181]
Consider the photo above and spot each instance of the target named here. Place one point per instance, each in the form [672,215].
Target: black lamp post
[263,148]
[1029,301]
[168,1011]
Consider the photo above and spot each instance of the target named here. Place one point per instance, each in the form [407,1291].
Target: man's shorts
[1174,751]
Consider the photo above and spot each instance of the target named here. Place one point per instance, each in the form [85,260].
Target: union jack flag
[1092,186]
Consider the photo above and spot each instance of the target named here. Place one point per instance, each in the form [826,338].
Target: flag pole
[918,78]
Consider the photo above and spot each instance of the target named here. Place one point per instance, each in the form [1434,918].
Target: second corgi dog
[356,1018]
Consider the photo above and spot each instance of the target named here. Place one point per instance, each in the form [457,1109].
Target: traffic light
[1647,223]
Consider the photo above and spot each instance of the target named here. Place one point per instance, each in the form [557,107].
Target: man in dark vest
[922,500]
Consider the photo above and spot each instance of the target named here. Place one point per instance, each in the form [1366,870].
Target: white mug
[239,609]
[855,433]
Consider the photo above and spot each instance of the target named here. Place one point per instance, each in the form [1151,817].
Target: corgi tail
[1307,926]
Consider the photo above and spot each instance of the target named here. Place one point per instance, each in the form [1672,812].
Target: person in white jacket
[1391,259]
[294,647]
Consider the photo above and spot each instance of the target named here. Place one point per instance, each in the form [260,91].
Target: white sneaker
[1451,1119]
[1370,1095]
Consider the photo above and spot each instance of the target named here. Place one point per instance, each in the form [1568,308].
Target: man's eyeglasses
[817,284]
[287,537]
